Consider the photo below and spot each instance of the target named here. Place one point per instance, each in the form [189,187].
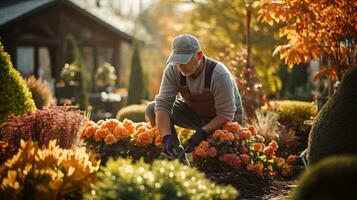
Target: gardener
[209,96]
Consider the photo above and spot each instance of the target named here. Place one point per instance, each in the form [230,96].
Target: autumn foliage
[315,30]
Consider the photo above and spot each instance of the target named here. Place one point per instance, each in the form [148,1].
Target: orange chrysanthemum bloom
[287,171]
[158,141]
[269,151]
[110,139]
[101,133]
[230,159]
[145,138]
[212,152]
[129,125]
[217,134]
[120,132]
[245,135]
[204,145]
[227,137]
[200,152]
[258,147]
[110,124]
[233,127]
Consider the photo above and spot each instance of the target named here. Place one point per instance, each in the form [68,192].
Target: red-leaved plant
[56,122]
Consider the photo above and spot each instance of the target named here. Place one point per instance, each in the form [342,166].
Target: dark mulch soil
[254,187]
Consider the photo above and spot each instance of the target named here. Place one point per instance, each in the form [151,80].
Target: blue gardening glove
[195,140]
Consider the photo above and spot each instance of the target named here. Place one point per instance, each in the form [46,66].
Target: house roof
[13,10]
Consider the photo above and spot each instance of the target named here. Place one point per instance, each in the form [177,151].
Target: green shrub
[41,93]
[331,178]
[292,114]
[47,173]
[120,179]
[15,97]
[135,112]
[334,131]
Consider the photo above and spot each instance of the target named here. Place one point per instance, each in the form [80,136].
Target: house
[34,31]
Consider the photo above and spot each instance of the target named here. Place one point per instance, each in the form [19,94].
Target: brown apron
[203,104]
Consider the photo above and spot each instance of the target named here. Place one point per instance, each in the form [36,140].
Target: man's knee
[150,112]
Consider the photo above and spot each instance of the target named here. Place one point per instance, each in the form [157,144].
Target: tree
[218,24]
[315,30]
[136,83]
[73,56]
[15,97]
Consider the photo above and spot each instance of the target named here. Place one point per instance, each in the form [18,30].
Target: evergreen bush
[334,131]
[292,114]
[135,112]
[136,81]
[15,97]
[121,179]
[41,93]
[72,55]
[331,178]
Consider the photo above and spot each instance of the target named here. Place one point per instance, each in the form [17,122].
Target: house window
[44,63]
[25,57]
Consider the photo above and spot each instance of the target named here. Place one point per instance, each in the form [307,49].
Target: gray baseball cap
[183,47]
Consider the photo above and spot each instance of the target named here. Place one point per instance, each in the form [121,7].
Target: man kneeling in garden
[210,97]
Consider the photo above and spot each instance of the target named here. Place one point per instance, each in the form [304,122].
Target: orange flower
[158,141]
[121,132]
[227,137]
[212,152]
[244,158]
[217,134]
[250,167]
[274,144]
[144,138]
[110,139]
[245,135]
[129,125]
[233,127]
[89,131]
[101,133]
[269,151]
[292,159]
[111,124]
[200,152]
[252,129]
[258,147]
[204,145]
[259,138]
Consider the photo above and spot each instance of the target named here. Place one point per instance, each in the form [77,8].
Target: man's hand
[169,145]
[195,140]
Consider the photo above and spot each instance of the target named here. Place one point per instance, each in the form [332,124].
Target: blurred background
[111,53]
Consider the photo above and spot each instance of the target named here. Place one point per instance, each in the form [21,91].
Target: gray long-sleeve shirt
[223,87]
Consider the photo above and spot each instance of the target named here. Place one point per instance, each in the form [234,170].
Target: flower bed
[239,148]
[113,138]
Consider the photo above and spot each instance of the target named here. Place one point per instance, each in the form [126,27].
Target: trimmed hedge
[135,112]
[15,97]
[293,113]
[331,178]
[334,131]
[121,179]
